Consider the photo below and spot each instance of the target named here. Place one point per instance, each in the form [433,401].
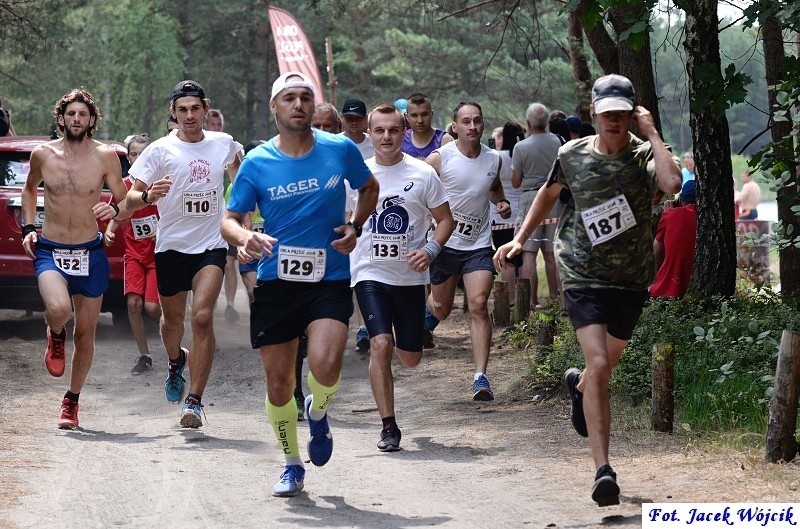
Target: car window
[15,166]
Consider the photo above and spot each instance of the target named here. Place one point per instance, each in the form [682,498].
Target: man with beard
[183,173]
[297,181]
[70,263]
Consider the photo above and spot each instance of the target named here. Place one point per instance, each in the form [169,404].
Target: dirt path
[507,463]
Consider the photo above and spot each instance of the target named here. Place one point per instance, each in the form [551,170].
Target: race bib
[200,203]
[609,219]
[72,262]
[389,247]
[467,226]
[301,264]
[145,227]
[258,226]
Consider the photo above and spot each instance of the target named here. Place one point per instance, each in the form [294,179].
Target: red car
[18,285]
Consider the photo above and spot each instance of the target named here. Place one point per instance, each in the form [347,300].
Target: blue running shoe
[190,414]
[362,340]
[173,387]
[320,443]
[481,390]
[291,482]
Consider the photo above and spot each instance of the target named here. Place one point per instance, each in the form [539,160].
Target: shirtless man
[70,263]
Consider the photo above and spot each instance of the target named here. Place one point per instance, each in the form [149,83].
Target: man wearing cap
[673,246]
[421,139]
[183,174]
[605,251]
[297,181]
[354,126]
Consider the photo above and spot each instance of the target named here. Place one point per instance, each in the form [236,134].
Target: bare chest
[80,178]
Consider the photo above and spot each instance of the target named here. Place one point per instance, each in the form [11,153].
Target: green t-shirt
[604,237]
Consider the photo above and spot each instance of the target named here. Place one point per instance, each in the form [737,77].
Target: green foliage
[725,357]
[720,94]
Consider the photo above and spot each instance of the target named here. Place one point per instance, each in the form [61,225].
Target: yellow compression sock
[322,396]
[284,424]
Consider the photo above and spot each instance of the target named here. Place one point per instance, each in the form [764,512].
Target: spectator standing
[673,246]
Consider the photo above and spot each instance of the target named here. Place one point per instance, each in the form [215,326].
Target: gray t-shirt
[534,157]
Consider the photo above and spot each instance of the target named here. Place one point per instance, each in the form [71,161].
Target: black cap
[188,88]
[354,107]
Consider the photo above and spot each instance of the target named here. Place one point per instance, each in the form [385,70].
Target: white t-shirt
[467,181]
[408,191]
[512,194]
[191,213]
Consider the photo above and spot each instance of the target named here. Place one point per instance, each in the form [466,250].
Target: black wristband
[357,227]
[116,210]
[144,197]
[28,228]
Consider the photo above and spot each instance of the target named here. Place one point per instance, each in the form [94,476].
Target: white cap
[282,84]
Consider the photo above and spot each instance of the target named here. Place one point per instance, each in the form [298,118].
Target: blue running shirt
[302,200]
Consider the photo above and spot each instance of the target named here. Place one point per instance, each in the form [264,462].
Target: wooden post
[332,80]
[546,331]
[501,313]
[781,443]
[663,407]
[522,304]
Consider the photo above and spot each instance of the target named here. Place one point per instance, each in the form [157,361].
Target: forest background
[130,53]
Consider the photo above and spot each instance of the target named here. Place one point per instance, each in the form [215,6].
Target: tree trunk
[781,444]
[714,270]
[636,65]
[603,46]
[775,73]
[663,390]
[580,67]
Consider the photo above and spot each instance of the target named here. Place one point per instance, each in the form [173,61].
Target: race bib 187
[607,220]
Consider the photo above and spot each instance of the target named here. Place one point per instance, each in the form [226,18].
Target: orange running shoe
[54,358]
[69,414]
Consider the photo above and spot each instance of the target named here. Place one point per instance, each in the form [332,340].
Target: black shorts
[384,306]
[281,310]
[176,270]
[459,262]
[619,309]
[501,237]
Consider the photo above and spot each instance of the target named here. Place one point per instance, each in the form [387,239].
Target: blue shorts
[281,310]
[384,306]
[617,308]
[252,266]
[459,262]
[92,285]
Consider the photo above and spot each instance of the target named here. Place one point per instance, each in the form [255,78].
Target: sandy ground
[507,463]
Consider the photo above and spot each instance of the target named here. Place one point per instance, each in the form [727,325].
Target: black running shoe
[143,364]
[571,385]
[427,339]
[605,491]
[390,439]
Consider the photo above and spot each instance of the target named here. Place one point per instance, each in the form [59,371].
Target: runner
[140,288]
[605,252]
[71,266]
[297,181]
[389,267]
[183,174]
[470,171]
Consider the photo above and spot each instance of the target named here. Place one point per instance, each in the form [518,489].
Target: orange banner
[293,48]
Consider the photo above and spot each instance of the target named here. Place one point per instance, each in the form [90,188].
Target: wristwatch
[357,227]
[144,197]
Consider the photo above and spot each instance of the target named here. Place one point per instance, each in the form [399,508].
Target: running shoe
[390,439]
[320,442]
[143,364]
[231,315]
[571,377]
[54,357]
[300,401]
[173,387]
[481,390]
[191,413]
[362,340]
[605,491]
[427,339]
[69,414]
[291,482]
